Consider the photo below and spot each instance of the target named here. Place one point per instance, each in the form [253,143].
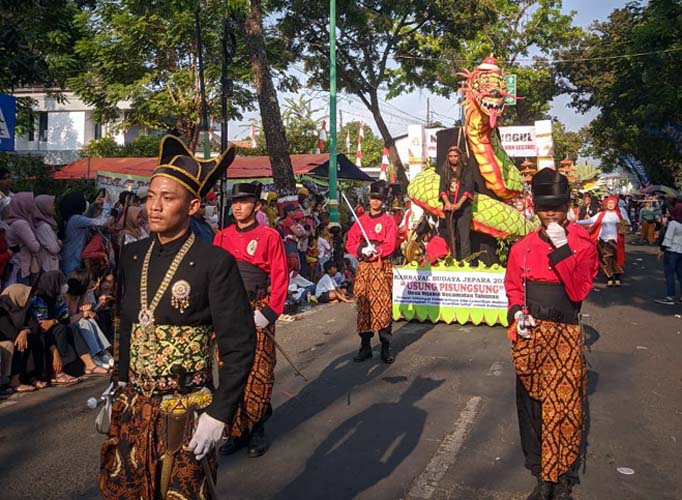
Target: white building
[61,129]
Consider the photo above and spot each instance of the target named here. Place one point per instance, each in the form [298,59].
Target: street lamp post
[333,196]
[202,86]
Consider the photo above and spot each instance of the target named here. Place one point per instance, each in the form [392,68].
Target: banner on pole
[115,183]
[450,294]
[519,141]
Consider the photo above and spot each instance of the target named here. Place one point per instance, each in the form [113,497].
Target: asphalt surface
[439,423]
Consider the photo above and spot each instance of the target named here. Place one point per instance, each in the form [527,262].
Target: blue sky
[411,108]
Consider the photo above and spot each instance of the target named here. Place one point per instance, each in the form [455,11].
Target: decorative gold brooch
[180,295]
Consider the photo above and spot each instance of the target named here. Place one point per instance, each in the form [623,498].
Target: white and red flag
[322,138]
[347,142]
[361,135]
[384,165]
[253,136]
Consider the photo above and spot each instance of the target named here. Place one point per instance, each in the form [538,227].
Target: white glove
[207,433]
[260,319]
[556,234]
[369,251]
[109,392]
[523,323]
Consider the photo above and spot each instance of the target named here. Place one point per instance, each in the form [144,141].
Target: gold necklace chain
[146,315]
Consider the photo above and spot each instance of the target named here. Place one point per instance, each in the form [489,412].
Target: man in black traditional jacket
[178,291]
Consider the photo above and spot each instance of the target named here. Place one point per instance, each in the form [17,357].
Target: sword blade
[284,353]
[357,221]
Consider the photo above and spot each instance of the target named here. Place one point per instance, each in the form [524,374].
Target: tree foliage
[106,147]
[372,145]
[626,67]
[567,144]
[145,53]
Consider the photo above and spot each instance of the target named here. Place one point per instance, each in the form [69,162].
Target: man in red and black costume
[549,274]
[457,193]
[374,278]
[262,264]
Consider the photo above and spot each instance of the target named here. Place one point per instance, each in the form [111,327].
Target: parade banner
[114,182]
[519,141]
[455,293]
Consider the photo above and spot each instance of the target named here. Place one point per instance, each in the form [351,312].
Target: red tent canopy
[243,167]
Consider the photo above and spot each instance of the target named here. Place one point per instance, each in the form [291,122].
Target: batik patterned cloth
[373,292]
[551,366]
[255,404]
[131,457]
[607,258]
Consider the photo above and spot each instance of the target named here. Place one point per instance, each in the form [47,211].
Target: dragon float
[498,179]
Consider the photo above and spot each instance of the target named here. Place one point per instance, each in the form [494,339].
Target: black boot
[365,351]
[562,491]
[258,444]
[543,491]
[233,445]
[386,353]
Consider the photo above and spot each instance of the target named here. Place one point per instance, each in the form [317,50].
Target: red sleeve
[279,275]
[513,278]
[387,246]
[353,240]
[576,264]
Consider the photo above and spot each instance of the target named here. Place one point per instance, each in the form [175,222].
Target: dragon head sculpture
[486,89]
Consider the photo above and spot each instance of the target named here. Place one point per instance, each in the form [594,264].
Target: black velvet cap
[246,189]
[379,189]
[177,163]
[550,188]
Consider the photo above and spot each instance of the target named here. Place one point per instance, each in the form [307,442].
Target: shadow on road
[364,449]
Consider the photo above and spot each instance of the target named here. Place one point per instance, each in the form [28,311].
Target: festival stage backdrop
[450,294]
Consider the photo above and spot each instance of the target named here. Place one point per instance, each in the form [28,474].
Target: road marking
[495,369]
[427,482]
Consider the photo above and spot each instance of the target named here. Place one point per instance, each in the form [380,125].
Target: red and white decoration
[384,165]
[322,138]
[361,135]
[347,142]
[253,136]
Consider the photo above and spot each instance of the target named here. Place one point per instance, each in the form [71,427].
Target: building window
[42,126]
[31,127]
[98,130]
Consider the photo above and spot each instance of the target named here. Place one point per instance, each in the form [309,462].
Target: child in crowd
[327,289]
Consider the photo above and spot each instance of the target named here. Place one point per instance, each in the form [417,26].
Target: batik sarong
[373,293]
[608,258]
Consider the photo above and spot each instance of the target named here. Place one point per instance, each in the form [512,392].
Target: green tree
[372,145]
[567,144]
[37,38]
[145,53]
[626,67]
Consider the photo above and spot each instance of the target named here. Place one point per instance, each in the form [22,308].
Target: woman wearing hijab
[52,314]
[21,239]
[83,316]
[46,233]
[76,227]
[606,231]
[134,228]
[5,254]
[26,363]
[671,250]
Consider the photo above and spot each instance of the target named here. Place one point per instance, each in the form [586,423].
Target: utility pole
[229,43]
[428,111]
[333,196]
[202,86]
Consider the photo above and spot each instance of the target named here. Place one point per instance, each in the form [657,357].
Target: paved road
[440,423]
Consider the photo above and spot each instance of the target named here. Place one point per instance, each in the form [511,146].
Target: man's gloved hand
[523,324]
[369,251]
[207,433]
[111,390]
[556,234]
[260,319]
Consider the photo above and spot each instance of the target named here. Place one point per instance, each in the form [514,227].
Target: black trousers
[530,426]
[69,342]
[458,223]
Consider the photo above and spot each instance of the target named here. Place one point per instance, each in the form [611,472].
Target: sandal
[64,379]
[39,384]
[95,370]
[23,388]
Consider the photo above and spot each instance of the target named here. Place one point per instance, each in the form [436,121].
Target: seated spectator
[300,289]
[21,239]
[134,227]
[46,233]
[83,307]
[21,339]
[66,345]
[5,254]
[327,290]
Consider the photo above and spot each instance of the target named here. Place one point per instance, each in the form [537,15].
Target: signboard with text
[450,294]
[519,141]
[8,116]
[114,182]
